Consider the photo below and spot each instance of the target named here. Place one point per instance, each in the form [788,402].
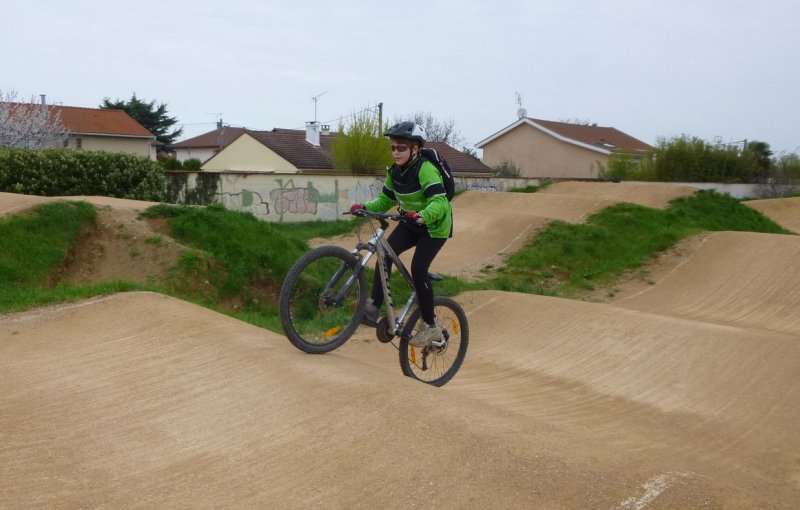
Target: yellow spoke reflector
[454,323]
[332,332]
[412,353]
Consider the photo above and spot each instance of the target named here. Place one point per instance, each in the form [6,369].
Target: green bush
[66,172]
[690,159]
[624,167]
[507,169]
[171,164]
[192,164]
[359,148]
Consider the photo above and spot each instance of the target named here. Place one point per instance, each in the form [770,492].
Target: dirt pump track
[681,393]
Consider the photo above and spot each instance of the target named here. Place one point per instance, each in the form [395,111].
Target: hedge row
[66,172]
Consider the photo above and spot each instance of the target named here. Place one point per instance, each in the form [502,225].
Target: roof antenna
[315,98]
[521,112]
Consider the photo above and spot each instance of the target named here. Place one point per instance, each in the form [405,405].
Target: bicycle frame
[378,245]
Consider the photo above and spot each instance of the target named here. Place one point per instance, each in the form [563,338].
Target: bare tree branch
[436,130]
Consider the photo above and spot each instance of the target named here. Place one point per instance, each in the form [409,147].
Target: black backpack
[440,163]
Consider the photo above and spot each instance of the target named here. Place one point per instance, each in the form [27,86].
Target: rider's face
[401,150]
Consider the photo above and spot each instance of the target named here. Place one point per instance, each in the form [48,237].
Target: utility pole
[380,118]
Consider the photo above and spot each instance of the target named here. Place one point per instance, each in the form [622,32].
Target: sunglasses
[399,148]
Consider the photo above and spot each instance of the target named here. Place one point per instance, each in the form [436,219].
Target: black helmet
[407,131]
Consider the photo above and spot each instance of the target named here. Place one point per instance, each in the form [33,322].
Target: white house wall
[136,146]
[203,154]
[248,154]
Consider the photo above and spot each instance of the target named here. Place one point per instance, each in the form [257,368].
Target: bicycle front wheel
[436,365]
[322,299]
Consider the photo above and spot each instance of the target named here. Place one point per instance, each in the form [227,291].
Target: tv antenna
[315,98]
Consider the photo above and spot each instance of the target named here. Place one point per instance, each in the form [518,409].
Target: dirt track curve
[682,394]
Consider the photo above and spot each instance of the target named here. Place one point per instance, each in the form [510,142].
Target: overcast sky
[716,69]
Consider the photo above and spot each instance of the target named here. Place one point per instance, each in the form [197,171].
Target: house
[205,146]
[309,151]
[100,129]
[548,149]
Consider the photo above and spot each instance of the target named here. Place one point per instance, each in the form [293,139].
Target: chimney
[44,102]
[312,133]
[326,129]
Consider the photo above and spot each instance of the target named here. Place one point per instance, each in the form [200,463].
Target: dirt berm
[683,393]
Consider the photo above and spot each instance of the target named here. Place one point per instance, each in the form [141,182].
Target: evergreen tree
[152,117]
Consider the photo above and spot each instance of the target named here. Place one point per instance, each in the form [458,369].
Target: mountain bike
[322,304]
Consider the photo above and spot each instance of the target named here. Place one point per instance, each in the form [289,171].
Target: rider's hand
[357,209]
[414,216]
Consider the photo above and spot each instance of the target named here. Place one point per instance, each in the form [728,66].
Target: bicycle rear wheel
[436,365]
[314,316]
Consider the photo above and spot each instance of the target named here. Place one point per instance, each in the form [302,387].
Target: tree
[29,125]
[360,146]
[436,130]
[762,155]
[152,117]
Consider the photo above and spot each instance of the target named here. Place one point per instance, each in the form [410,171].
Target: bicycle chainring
[382,331]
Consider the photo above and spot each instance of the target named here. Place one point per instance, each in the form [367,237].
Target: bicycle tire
[309,319]
[431,365]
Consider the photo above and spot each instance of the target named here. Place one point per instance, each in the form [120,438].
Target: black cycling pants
[401,239]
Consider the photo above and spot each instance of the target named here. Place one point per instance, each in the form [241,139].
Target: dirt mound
[190,408]
[783,211]
[681,393]
[489,226]
[731,278]
[121,246]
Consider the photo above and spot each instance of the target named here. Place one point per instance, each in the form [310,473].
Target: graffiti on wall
[480,185]
[279,199]
[246,200]
[290,199]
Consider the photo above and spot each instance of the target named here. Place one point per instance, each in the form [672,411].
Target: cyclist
[416,186]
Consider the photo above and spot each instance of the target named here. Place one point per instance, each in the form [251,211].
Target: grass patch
[238,262]
[16,298]
[34,243]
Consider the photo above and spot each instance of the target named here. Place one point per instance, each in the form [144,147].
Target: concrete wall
[304,197]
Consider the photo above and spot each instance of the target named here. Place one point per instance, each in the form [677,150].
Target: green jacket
[417,187]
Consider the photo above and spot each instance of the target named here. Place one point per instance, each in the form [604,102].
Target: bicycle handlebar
[381,217]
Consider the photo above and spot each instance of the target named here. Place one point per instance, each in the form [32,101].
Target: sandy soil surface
[783,211]
[682,392]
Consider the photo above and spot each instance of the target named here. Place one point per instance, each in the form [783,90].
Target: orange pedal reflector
[332,332]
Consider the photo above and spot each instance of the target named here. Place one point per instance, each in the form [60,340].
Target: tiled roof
[212,139]
[607,138]
[459,161]
[291,145]
[94,121]
[602,139]
[99,121]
